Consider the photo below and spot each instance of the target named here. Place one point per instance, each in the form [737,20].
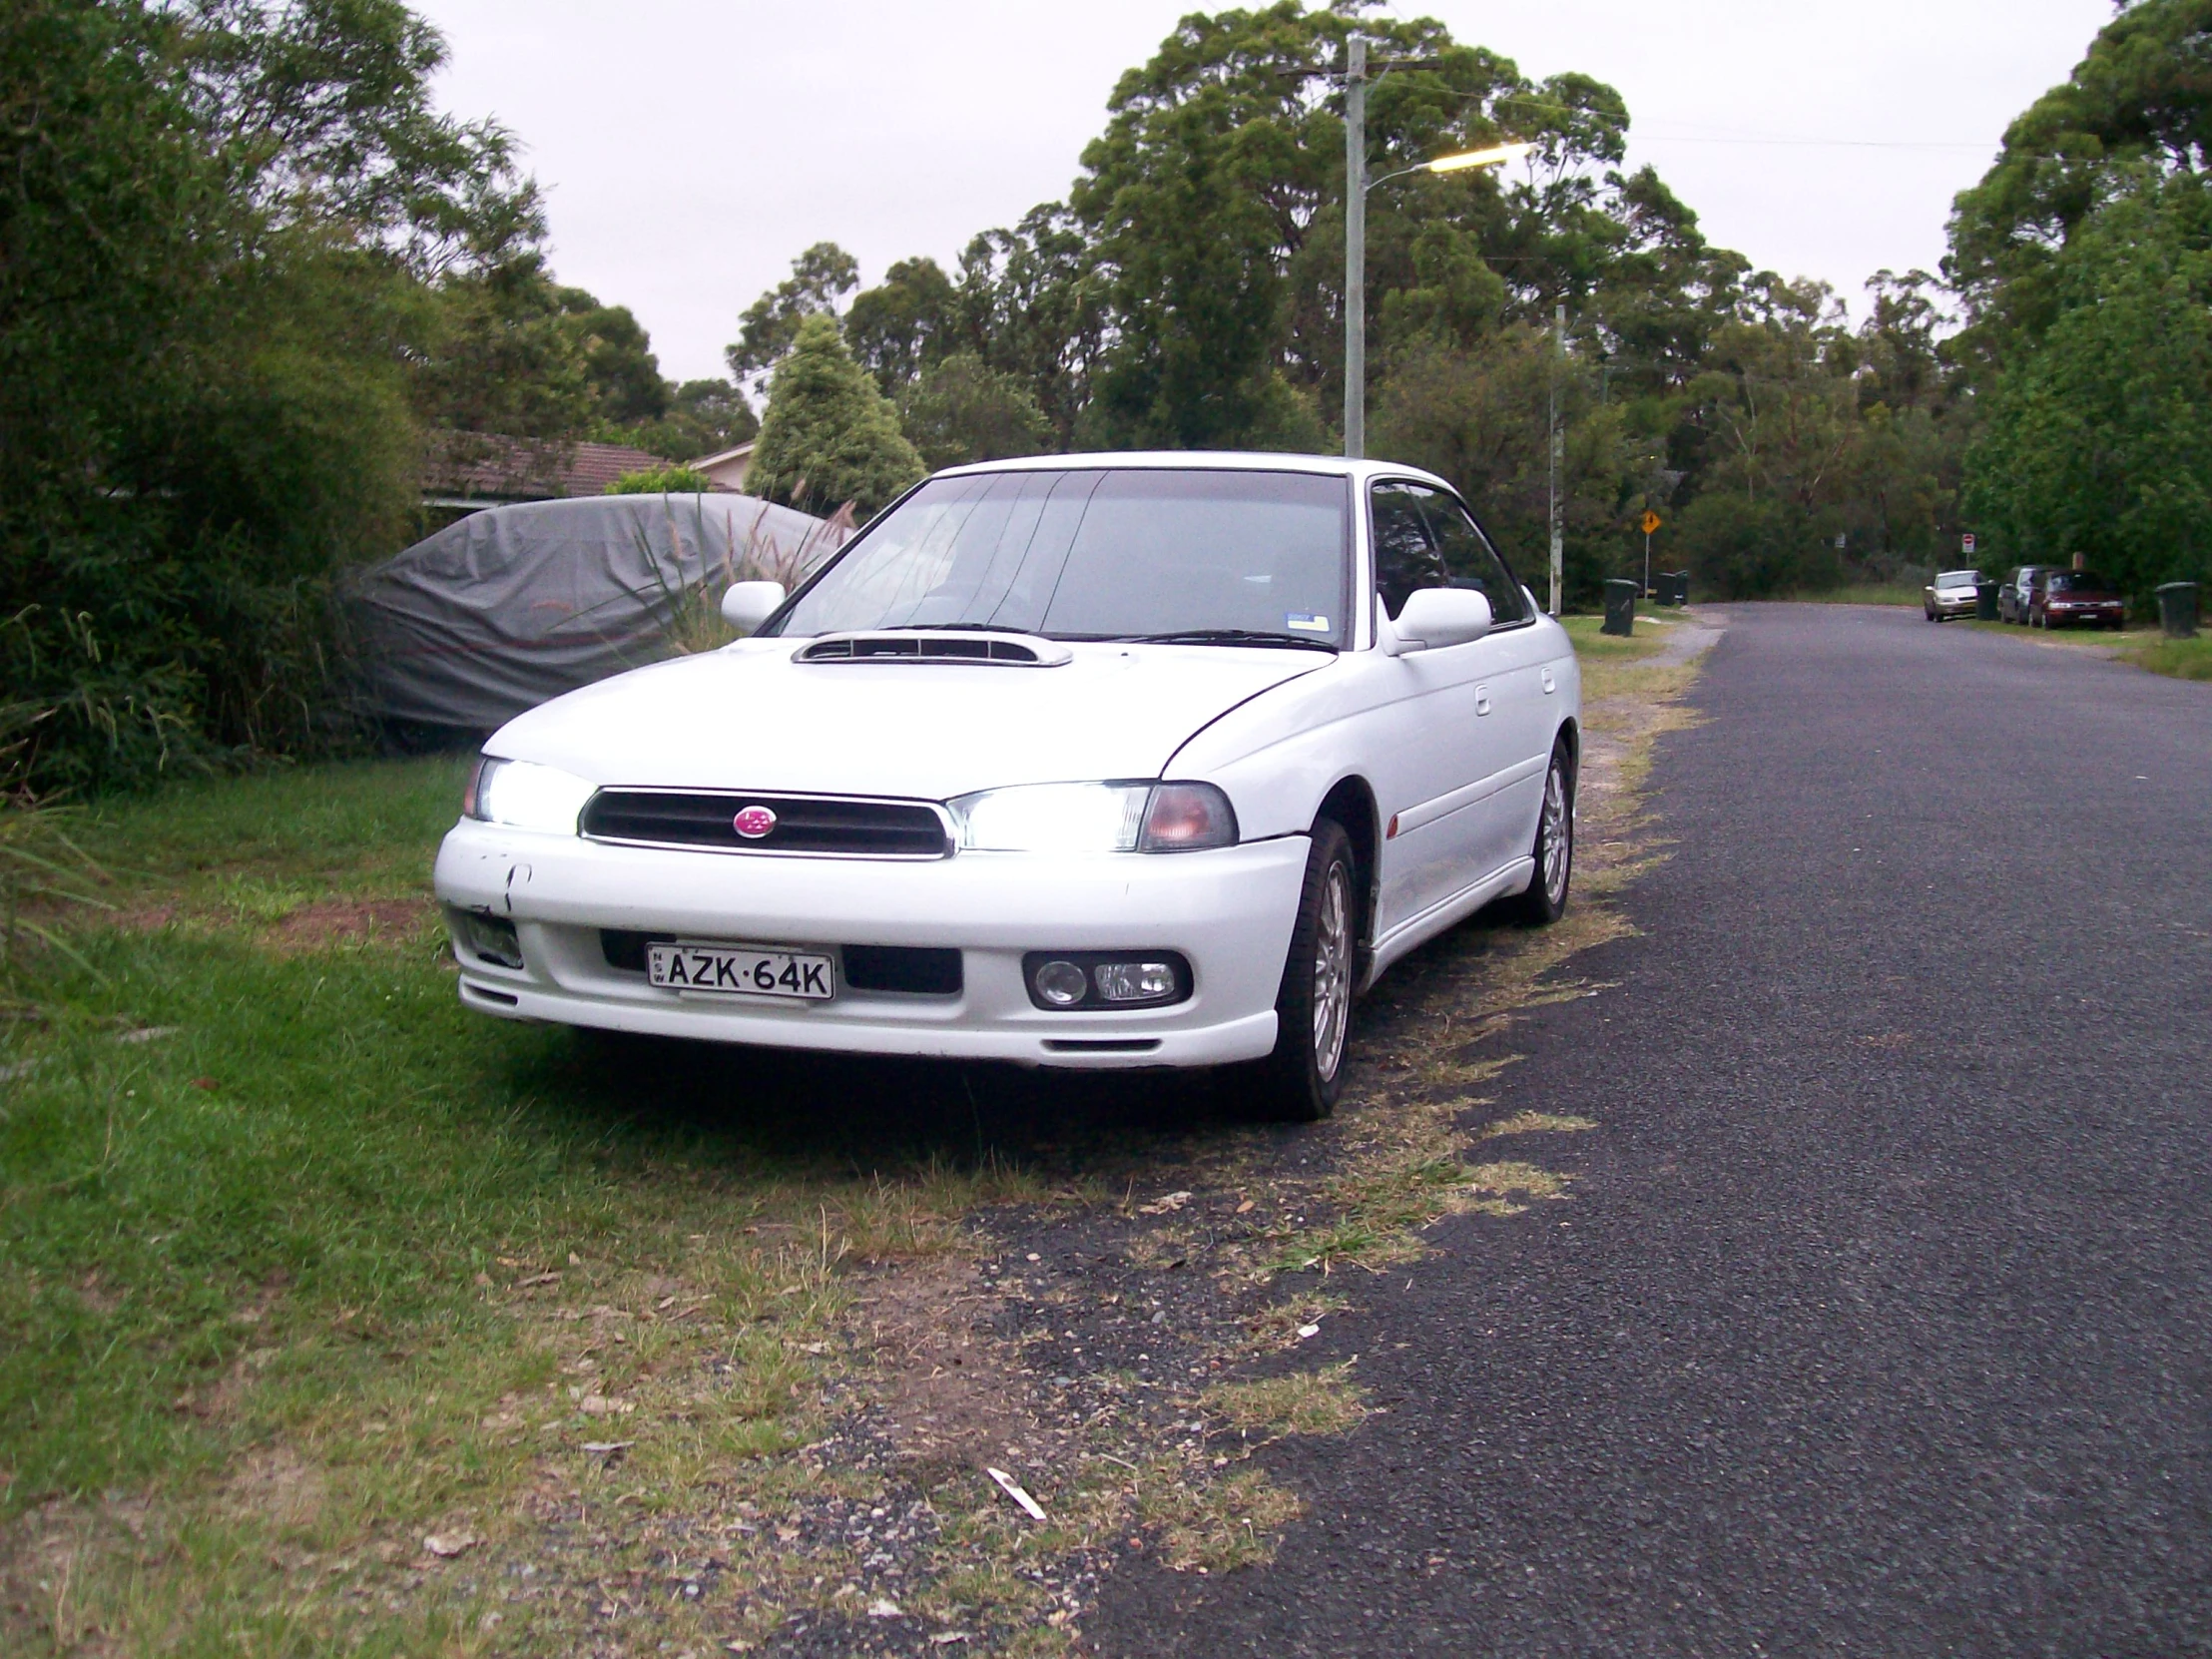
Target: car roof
[1207,460]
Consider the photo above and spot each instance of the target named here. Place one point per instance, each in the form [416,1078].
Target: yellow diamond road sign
[1652,522]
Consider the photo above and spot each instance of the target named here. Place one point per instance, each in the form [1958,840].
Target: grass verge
[333,1315]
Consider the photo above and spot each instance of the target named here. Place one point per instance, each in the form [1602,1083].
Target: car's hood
[750,718]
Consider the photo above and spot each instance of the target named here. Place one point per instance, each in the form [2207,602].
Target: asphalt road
[1880,1319]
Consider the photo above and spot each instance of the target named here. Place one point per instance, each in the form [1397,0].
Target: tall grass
[693,614]
[41,868]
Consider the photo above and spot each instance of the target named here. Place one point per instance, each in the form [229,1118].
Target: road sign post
[1650,522]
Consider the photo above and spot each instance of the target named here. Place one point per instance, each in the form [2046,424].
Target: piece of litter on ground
[607,1449]
[1161,1207]
[946,1638]
[1246,1205]
[1012,1488]
[1306,1330]
[149,1033]
[883,1607]
[447,1545]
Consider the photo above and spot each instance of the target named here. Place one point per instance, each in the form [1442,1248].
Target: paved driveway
[1881,1320]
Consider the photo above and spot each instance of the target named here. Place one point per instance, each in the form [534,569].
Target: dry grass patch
[1325,1402]
[1217,1525]
[1502,1183]
[1537,1123]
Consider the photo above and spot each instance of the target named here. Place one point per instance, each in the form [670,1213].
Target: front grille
[821,825]
[914,970]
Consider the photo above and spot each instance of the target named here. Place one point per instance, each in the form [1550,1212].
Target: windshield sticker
[1305,624]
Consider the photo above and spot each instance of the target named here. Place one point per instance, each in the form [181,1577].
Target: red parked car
[2068,596]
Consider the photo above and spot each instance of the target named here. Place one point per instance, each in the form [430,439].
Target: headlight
[1095,818]
[525,795]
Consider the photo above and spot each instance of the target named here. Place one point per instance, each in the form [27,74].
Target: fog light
[488,938]
[1134,981]
[1062,984]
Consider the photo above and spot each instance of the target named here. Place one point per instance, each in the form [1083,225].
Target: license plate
[742,970]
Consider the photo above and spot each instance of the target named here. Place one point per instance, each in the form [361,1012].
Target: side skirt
[1445,915]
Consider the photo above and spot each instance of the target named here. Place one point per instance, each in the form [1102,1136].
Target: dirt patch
[949,1397]
[50,1556]
[278,1485]
[336,921]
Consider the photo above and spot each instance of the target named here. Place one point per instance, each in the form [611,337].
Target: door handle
[1481,700]
[1551,684]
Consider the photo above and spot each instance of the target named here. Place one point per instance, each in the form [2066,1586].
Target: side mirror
[1435,618]
[748,604]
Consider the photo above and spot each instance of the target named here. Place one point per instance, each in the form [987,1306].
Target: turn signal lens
[1188,817]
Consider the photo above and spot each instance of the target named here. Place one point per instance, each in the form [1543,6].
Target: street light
[1357,186]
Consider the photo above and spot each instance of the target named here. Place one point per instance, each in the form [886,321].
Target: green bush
[661,480]
[1749,547]
[829,435]
[214,329]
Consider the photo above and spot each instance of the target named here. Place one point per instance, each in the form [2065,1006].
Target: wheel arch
[1570,733]
[1350,804]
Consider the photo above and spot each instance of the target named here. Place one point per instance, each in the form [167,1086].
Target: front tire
[1300,1081]
[1545,902]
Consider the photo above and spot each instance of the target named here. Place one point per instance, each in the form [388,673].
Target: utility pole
[1559,460]
[1356,248]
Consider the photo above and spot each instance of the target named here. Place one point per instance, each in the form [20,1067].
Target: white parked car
[1105,761]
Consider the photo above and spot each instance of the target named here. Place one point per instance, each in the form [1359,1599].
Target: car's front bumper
[2084,612]
[1953,605]
[1228,912]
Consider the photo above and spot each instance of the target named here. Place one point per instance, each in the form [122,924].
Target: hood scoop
[935,645]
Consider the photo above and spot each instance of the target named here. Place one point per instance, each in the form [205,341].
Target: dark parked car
[2064,596]
[2013,598]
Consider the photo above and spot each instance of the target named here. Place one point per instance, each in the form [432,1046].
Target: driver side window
[1406,556]
[1473,562]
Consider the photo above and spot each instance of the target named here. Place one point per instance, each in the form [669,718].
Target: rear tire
[1545,902]
[1300,1081]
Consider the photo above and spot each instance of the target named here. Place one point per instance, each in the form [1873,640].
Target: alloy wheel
[1558,833]
[1332,971]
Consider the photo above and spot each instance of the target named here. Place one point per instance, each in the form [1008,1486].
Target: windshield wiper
[1228,636]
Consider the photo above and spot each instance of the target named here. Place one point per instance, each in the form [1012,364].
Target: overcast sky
[689,147]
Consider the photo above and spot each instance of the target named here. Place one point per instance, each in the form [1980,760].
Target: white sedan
[1105,761]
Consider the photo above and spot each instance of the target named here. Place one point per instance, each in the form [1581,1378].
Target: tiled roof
[489,467]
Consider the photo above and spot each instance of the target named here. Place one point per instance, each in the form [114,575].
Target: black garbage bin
[1986,601]
[1620,608]
[2177,610]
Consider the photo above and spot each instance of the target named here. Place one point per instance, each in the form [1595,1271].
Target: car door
[1515,692]
[1437,736]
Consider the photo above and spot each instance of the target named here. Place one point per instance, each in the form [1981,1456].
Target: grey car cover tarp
[511,606]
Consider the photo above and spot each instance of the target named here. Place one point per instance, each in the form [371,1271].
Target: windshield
[1108,553]
[2079,581]
[1959,578]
